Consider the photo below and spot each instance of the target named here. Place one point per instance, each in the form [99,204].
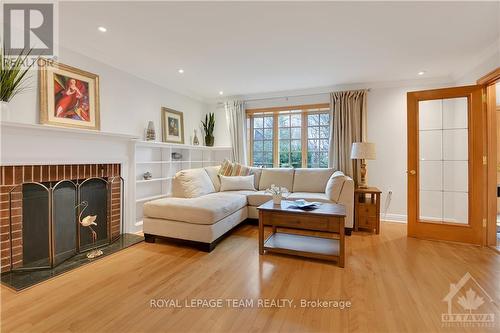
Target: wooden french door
[445,164]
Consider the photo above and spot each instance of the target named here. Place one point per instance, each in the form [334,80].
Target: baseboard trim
[399,218]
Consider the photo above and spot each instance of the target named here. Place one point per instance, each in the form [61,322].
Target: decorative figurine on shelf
[150,132]
[89,221]
[208,127]
[147,175]
[195,139]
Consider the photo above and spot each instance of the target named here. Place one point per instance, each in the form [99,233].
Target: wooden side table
[367,208]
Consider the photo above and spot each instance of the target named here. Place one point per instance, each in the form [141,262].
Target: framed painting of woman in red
[68,96]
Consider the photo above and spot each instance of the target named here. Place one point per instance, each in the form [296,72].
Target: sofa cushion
[258,198]
[309,196]
[257,172]
[192,183]
[236,183]
[207,209]
[213,173]
[282,177]
[335,185]
[311,179]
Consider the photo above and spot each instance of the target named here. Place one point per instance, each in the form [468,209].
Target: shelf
[156,144]
[152,180]
[302,244]
[153,197]
[168,162]
[153,162]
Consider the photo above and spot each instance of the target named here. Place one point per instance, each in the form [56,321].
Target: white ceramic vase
[4,111]
[277,199]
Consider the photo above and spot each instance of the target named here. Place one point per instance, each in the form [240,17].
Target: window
[263,135]
[318,134]
[289,137]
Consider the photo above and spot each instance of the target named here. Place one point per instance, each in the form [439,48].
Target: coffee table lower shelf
[305,246]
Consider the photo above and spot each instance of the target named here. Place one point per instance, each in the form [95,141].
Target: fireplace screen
[36,234]
[63,219]
[93,195]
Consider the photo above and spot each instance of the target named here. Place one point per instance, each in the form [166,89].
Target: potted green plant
[13,76]
[208,128]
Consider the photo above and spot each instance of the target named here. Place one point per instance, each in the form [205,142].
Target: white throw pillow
[335,185]
[192,183]
[213,173]
[236,183]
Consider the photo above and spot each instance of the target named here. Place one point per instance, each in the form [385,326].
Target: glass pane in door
[443,160]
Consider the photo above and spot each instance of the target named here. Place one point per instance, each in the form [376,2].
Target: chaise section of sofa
[199,214]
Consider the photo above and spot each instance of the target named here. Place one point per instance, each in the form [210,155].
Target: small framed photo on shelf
[172,123]
[69,96]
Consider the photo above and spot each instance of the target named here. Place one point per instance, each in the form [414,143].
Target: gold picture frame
[172,125]
[69,97]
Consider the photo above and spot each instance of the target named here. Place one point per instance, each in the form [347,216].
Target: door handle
[412,172]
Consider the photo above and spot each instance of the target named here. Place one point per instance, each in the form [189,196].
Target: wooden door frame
[473,232]
[488,82]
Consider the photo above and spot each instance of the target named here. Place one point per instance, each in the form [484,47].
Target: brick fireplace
[11,207]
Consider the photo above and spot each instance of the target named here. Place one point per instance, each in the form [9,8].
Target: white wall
[483,67]
[127,102]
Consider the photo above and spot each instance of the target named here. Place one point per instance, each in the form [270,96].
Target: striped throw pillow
[229,168]
[240,170]
[226,168]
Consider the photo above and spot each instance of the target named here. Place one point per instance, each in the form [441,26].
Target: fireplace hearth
[40,207]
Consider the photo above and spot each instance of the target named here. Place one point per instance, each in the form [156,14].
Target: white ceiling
[247,48]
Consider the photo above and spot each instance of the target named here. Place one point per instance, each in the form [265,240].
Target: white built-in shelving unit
[156,157]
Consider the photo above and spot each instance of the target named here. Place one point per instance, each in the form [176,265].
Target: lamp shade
[363,151]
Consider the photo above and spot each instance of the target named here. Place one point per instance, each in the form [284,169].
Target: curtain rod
[286,97]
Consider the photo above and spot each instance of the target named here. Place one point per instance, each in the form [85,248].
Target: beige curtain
[236,122]
[347,116]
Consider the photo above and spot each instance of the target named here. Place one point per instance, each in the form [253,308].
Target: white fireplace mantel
[23,144]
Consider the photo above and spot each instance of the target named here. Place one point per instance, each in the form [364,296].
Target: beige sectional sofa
[199,214]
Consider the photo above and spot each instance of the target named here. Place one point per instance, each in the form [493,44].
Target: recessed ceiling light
[221,92]
[421,73]
[180,71]
[102,29]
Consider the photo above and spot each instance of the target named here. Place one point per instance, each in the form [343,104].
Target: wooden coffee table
[327,218]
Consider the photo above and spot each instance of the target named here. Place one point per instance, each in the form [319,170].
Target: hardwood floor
[395,284]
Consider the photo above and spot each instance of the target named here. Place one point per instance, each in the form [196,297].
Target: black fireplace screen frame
[51,237]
